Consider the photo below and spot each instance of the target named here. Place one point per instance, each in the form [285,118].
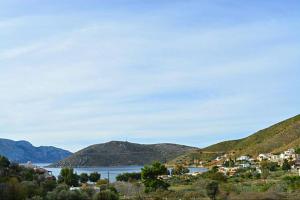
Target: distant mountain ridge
[23,151]
[117,153]
[275,139]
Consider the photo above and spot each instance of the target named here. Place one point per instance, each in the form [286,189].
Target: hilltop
[276,138]
[23,151]
[117,153]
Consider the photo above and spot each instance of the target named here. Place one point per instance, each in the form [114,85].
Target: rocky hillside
[23,151]
[116,153]
[276,138]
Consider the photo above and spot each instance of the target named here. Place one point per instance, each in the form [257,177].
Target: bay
[107,172]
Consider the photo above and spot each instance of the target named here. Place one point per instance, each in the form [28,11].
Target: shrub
[179,170]
[106,195]
[128,177]
[212,189]
[293,182]
[102,182]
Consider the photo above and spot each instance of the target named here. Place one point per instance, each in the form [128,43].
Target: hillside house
[243,158]
[264,156]
[275,158]
[41,171]
[289,155]
[229,171]
[245,165]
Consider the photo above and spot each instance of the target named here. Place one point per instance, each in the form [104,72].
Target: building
[264,156]
[229,171]
[243,158]
[245,165]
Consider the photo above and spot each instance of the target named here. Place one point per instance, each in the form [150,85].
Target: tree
[68,177]
[129,176]
[271,166]
[84,177]
[179,170]
[264,173]
[150,177]
[94,177]
[212,190]
[4,162]
[229,163]
[286,166]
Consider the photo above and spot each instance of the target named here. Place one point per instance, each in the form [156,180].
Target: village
[229,166]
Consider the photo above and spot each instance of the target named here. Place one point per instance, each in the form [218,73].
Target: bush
[102,182]
[180,170]
[106,195]
[63,193]
[293,182]
[212,190]
[218,176]
[128,177]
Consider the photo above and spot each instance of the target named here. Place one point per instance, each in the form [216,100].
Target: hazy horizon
[186,72]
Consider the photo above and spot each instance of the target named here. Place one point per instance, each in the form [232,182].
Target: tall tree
[68,177]
[286,166]
[150,177]
[4,162]
[94,177]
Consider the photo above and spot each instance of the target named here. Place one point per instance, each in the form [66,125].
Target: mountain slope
[116,153]
[276,138]
[23,151]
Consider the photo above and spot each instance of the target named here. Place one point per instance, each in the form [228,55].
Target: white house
[243,158]
[264,156]
[244,165]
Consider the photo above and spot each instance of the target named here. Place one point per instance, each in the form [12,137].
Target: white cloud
[119,78]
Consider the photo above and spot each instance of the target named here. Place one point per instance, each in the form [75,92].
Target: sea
[107,172]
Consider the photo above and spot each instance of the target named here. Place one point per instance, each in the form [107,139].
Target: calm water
[104,171]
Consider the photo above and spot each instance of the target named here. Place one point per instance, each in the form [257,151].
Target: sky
[80,72]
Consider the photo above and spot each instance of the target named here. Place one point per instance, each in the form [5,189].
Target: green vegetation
[286,166]
[94,177]
[134,176]
[106,195]
[20,183]
[4,162]
[116,153]
[84,178]
[68,177]
[179,170]
[276,138]
[212,189]
[150,177]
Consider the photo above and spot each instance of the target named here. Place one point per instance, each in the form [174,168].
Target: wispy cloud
[103,73]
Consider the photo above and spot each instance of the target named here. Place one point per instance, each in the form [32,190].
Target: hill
[23,151]
[117,153]
[275,139]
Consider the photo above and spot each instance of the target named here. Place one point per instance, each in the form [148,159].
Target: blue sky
[75,73]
